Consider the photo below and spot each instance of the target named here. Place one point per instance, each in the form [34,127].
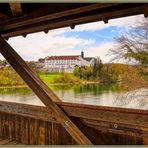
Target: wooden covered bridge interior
[63,123]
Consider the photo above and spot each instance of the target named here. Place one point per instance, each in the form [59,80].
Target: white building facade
[66,63]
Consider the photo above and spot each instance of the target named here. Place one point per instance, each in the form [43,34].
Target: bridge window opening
[101,76]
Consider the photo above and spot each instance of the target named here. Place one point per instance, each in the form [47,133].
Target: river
[94,94]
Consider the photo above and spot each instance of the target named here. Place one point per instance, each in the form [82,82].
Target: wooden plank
[5,141]
[48,134]
[55,134]
[123,129]
[5,127]
[12,143]
[0,125]
[100,113]
[11,127]
[36,124]
[48,25]
[145,141]
[41,90]
[17,129]
[22,130]
[15,9]
[115,120]
[104,108]
[27,140]
[41,133]
[107,114]
[35,17]
[36,112]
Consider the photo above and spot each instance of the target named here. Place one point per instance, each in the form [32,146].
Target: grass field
[8,77]
[49,77]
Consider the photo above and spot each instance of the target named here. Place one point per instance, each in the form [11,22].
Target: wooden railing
[30,124]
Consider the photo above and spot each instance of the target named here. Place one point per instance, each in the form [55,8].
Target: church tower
[82,54]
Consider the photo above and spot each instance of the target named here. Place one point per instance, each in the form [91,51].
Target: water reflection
[106,95]
[136,99]
[19,95]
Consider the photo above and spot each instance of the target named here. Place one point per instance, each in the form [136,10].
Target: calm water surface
[95,94]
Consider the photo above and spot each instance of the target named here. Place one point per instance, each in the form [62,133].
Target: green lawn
[49,77]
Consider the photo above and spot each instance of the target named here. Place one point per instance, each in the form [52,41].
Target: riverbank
[48,84]
[9,78]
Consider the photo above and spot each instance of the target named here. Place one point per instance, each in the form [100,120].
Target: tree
[76,72]
[98,65]
[133,45]
[3,62]
[34,66]
[110,73]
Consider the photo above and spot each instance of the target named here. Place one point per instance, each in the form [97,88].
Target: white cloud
[101,50]
[120,22]
[39,45]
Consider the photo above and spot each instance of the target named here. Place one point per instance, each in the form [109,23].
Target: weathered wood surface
[64,15]
[37,121]
[87,117]
[110,114]
[26,130]
[133,117]
[42,91]
[15,9]
[53,24]
[35,17]
[2,15]
[25,110]
[4,141]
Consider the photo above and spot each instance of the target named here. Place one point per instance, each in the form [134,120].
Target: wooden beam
[42,91]
[35,18]
[79,20]
[145,11]
[132,117]
[89,115]
[15,9]
[4,16]
[110,114]
[27,110]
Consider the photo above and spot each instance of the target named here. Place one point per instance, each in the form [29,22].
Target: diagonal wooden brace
[42,91]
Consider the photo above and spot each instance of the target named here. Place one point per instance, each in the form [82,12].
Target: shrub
[67,78]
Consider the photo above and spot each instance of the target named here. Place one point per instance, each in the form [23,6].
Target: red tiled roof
[63,57]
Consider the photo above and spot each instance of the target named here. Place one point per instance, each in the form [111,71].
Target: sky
[95,39]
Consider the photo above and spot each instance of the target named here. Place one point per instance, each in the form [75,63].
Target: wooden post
[42,91]
[15,9]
